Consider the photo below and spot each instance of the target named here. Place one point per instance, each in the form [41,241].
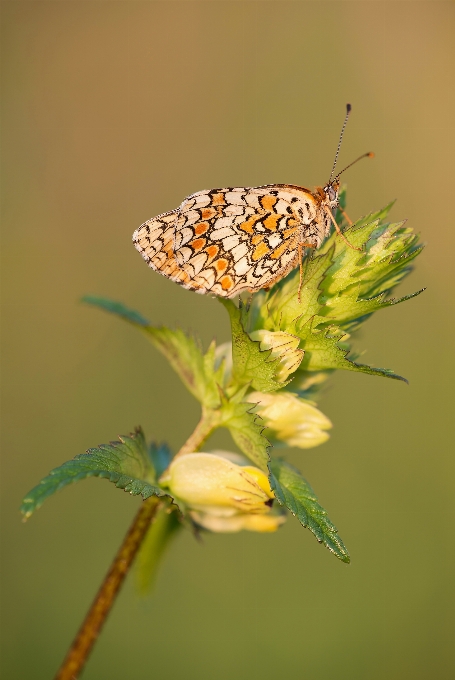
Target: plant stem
[208,422]
[104,600]
[102,604]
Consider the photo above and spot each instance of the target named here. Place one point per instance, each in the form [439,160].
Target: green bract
[284,347]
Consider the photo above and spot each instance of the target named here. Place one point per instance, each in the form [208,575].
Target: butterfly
[234,239]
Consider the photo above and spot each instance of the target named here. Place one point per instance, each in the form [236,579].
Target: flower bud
[291,419]
[284,347]
[222,495]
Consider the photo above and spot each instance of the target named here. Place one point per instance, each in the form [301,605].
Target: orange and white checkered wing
[235,239]
[155,241]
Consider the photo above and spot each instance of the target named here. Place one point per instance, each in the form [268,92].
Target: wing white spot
[231,242]
[274,240]
[239,251]
[218,234]
[241,267]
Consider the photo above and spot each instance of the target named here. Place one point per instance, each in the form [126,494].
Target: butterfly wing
[155,241]
[234,239]
[225,241]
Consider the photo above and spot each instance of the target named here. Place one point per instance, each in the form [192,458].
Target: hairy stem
[113,581]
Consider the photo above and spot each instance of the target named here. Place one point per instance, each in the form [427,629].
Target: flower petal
[205,479]
[292,419]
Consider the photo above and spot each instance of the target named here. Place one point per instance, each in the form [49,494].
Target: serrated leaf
[125,462]
[388,273]
[347,308]
[246,430]
[187,359]
[159,536]
[294,492]
[195,369]
[251,365]
[323,351]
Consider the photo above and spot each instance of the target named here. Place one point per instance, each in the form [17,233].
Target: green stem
[209,421]
[89,631]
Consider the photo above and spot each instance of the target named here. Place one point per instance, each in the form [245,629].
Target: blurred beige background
[114,112]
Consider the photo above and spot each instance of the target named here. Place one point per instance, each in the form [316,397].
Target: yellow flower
[291,419]
[222,495]
[283,346]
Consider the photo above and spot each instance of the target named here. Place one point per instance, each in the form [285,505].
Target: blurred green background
[114,112]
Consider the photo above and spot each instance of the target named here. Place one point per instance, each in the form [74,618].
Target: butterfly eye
[331,193]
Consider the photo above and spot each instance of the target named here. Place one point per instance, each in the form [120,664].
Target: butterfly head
[331,193]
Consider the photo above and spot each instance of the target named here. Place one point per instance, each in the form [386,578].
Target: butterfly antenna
[370,154]
[348,111]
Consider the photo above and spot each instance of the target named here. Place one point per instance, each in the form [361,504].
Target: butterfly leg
[345,215]
[338,230]
[300,248]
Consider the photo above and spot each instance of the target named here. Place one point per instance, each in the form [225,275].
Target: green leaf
[322,352]
[114,307]
[164,528]
[251,365]
[196,369]
[349,310]
[246,430]
[125,462]
[294,492]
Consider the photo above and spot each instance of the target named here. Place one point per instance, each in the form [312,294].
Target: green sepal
[251,365]
[196,369]
[125,462]
[159,536]
[246,429]
[294,492]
